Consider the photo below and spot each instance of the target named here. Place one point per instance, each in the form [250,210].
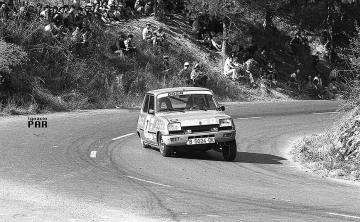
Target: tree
[230,11]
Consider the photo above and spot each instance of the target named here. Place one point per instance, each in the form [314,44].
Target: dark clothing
[119,45]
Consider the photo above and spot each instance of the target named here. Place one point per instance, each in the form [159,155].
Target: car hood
[195,118]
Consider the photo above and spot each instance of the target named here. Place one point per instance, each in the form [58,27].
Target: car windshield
[182,103]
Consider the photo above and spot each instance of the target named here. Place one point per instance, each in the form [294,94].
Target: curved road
[89,166]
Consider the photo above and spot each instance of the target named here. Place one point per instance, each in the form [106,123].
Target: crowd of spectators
[73,22]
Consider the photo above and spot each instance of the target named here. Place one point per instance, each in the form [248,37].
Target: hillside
[95,78]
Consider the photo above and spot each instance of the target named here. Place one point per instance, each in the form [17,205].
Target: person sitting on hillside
[317,88]
[3,12]
[293,81]
[270,73]
[129,47]
[251,67]
[148,8]
[231,69]
[214,42]
[147,32]
[331,91]
[159,37]
[185,73]
[119,46]
[198,77]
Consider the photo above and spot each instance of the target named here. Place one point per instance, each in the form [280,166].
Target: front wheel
[229,150]
[144,145]
[165,150]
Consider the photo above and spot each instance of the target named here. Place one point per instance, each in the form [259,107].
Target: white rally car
[186,118]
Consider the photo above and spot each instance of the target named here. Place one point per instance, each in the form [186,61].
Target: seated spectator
[198,77]
[332,90]
[252,69]
[3,12]
[185,73]
[217,46]
[119,45]
[147,32]
[231,69]
[293,82]
[76,35]
[317,88]
[271,73]
[139,6]
[129,47]
[159,37]
[45,14]
[148,8]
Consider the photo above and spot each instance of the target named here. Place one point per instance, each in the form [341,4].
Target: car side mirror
[222,108]
[151,111]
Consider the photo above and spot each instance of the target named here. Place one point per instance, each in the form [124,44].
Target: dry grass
[336,152]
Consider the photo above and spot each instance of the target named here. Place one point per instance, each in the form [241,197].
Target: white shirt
[146,33]
[229,65]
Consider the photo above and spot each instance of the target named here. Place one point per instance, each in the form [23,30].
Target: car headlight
[225,122]
[174,127]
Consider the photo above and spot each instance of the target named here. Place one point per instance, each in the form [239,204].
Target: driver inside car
[196,102]
[165,104]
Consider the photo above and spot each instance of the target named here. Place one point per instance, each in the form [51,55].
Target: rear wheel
[166,151]
[229,150]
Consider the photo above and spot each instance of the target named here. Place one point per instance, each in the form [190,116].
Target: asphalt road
[89,166]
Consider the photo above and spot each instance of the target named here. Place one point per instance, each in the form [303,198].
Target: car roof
[177,89]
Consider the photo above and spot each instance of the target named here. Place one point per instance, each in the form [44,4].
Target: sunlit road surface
[90,166]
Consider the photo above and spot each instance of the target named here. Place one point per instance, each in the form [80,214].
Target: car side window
[145,108]
[151,103]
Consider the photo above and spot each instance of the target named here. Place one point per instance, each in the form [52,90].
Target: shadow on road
[259,158]
[242,157]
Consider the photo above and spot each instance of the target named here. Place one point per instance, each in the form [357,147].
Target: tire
[229,151]
[166,151]
[144,145]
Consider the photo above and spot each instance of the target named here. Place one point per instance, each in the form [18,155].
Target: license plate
[197,141]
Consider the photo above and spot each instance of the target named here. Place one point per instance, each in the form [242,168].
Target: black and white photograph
[179,110]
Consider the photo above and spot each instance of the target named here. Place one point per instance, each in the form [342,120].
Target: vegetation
[336,153]
[39,72]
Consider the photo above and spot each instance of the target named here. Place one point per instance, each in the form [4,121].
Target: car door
[142,116]
[149,132]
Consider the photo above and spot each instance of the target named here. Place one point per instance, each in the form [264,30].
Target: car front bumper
[182,139]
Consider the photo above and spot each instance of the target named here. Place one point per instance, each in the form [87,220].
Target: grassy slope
[179,39]
[334,153]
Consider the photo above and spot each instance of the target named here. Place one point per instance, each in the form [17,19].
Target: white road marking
[254,117]
[212,215]
[148,181]
[343,215]
[93,154]
[325,113]
[120,137]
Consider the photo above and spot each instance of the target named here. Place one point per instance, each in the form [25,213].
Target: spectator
[185,72]
[148,8]
[3,12]
[251,67]
[271,73]
[159,37]
[231,69]
[293,82]
[129,47]
[119,46]
[197,76]
[147,32]
[217,46]
[317,88]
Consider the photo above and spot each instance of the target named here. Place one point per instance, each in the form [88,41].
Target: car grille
[199,129]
